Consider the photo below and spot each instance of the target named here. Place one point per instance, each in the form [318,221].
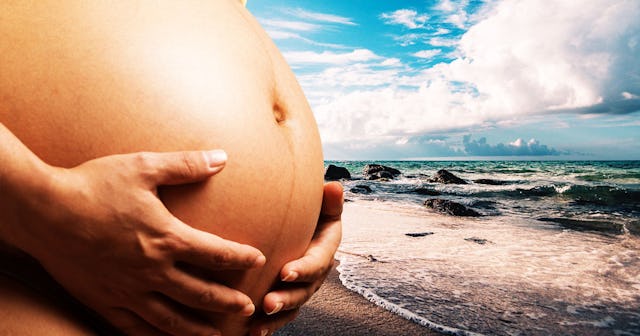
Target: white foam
[394,308]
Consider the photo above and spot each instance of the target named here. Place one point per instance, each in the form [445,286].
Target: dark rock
[382,175]
[426,191]
[446,177]
[586,225]
[361,189]
[347,200]
[376,172]
[372,258]
[489,182]
[418,234]
[335,173]
[450,208]
[477,240]
[634,227]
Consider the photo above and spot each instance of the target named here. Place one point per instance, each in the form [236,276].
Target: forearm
[22,184]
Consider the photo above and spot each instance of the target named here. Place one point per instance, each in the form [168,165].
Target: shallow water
[507,273]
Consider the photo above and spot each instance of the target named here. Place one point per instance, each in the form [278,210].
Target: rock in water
[426,191]
[418,234]
[446,177]
[586,225]
[489,182]
[450,208]
[361,189]
[477,240]
[335,173]
[376,171]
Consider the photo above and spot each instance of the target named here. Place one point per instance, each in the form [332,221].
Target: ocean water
[556,252]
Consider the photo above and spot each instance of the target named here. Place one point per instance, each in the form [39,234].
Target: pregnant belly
[85,80]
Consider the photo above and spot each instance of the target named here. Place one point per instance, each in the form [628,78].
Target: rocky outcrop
[361,189]
[450,208]
[376,172]
[334,173]
[446,177]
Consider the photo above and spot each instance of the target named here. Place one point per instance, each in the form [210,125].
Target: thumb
[332,200]
[186,167]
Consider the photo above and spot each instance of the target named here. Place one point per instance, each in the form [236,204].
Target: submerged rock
[418,234]
[489,182]
[361,189]
[450,208]
[376,171]
[586,225]
[336,173]
[634,228]
[446,177]
[426,191]
[477,240]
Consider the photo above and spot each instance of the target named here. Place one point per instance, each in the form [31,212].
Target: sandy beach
[335,310]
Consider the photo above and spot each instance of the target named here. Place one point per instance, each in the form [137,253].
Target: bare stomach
[83,80]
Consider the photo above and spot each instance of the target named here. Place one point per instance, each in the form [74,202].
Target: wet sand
[335,310]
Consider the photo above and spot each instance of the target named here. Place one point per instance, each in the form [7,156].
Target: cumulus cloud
[405,17]
[523,57]
[427,53]
[518,147]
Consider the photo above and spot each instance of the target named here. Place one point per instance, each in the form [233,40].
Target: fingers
[267,326]
[211,252]
[181,167]
[332,200]
[290,298]
[164,316]
[210,296]
[318,259]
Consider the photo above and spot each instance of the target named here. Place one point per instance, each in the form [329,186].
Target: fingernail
[216,333]
[260,261]
[215,158]
[291,276]
[264,332]
[248,310]
[278,307]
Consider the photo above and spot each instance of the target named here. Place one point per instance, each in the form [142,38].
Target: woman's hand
[102,232]
[304,276]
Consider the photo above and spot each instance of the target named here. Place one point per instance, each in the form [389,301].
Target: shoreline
[335,310]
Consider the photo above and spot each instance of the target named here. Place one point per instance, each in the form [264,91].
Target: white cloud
[443,42]
[523,57]
[427,53]
[322,17]
[329,57]
[446,5]
[406,17]
[391,62]
[290,25]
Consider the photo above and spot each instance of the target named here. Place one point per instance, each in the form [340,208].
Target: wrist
[29,193]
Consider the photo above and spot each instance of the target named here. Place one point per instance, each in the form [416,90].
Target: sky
[481,79]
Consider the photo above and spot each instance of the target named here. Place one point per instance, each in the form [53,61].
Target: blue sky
[438,79]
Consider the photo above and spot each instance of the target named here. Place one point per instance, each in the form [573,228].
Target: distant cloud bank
[518,147]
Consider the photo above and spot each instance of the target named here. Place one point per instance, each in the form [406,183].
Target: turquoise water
[604,191]
[556,252]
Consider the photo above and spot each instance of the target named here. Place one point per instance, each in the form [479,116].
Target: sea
[556,250]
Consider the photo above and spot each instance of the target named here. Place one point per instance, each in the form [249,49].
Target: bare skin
[120,192]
